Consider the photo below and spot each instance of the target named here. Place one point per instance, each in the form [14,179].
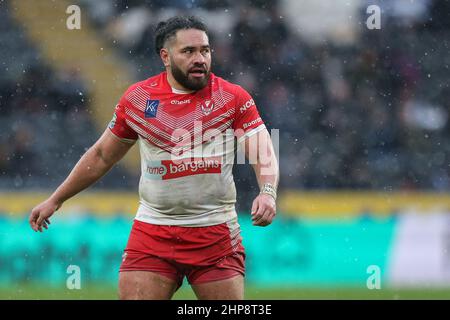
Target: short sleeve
[118,125]
[247,119]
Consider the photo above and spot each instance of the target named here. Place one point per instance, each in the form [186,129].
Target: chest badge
[207,107]
[151,108]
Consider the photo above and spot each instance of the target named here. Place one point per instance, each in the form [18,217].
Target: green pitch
[99,292]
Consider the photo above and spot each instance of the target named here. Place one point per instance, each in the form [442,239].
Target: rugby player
[184,119]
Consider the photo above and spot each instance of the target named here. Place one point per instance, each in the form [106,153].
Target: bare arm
[94,164]
[261,154]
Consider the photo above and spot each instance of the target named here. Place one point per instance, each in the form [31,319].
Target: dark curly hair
[167,29]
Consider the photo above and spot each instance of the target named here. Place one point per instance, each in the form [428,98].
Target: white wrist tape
[269,189]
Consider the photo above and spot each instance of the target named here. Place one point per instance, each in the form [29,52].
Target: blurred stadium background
[364,141]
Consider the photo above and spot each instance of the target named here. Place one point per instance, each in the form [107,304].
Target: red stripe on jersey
[220,105]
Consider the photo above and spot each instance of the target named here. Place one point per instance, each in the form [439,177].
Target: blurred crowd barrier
[407,245]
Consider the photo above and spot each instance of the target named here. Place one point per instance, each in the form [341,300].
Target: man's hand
[40,214]
[263,210]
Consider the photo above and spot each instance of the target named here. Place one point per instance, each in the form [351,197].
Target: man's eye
[188,51]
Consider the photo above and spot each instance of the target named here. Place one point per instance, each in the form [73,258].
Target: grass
[101,292]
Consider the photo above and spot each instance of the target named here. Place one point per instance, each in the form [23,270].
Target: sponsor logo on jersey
[151,107]
[251,123]
[207,107]
[180,101]
[169,169]
[247,105]
[112,123]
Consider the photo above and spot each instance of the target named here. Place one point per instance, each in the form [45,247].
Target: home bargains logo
[170,169]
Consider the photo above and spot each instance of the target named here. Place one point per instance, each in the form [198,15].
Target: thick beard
[186,82]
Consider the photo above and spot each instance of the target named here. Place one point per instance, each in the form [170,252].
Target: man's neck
[176,87]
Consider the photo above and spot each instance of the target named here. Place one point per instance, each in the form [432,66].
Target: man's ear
[164,54]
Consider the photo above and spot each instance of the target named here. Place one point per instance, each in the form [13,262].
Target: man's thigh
[145,285]
[228,289]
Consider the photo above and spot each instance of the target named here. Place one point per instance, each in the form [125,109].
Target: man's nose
[199,58]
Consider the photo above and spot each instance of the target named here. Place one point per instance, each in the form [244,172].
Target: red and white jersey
[187,145]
